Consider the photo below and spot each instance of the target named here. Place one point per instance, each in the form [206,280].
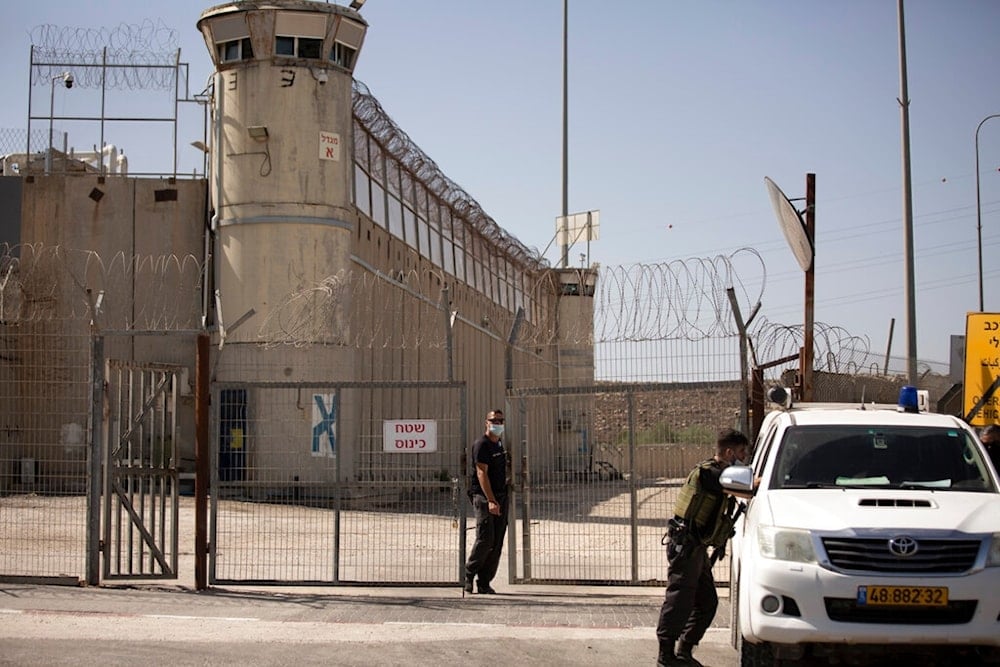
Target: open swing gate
[140,508]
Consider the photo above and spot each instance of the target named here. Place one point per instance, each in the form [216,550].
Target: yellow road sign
[982,366]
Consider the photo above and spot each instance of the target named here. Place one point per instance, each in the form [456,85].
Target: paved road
[175,625]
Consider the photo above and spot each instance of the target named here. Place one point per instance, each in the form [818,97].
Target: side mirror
[737,478]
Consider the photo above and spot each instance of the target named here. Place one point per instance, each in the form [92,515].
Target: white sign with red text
[329,146]
[409,436]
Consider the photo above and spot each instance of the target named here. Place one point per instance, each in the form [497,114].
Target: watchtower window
[342,55]
[235,49]
[310,48]
[301,47]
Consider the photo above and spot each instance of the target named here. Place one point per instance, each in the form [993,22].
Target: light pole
[67,79]
[564,258]
[909,287]
[979,213]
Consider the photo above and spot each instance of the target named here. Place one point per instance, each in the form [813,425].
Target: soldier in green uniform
[702,518]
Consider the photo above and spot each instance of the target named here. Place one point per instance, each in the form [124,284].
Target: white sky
[678,109]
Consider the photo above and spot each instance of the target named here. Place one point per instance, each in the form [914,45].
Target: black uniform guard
[488,492]
[991,439]
[690,600]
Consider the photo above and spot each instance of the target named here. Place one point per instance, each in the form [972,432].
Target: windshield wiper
[926,485]
[810,485]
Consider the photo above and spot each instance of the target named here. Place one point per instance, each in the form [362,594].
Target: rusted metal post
[810,297]
[95,473]
[202,392]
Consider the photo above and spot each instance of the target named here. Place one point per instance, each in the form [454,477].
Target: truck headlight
[993,555]
[785,544]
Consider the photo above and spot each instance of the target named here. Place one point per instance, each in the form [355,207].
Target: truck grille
[873,555]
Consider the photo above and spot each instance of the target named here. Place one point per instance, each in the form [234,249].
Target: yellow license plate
[902,596]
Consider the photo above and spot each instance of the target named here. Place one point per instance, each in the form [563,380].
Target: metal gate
[140,527]
[598,471]
[338,483]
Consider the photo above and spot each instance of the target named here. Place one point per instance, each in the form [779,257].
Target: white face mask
[496,430]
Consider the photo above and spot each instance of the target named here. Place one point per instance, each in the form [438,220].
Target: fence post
[633,491]
[741,326]
[449,349]
[202,450]
[94,479]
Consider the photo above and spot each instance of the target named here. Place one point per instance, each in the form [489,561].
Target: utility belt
[682,532]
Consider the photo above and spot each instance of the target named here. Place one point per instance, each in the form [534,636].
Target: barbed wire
[310,315]
[679,300]
[395,142]
[358,309]
[682,299]
[130,56]
[49,283]
[835,349]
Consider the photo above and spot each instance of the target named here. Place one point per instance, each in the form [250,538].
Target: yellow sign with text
[982,367]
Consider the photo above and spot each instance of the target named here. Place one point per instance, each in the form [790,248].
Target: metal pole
[888,346]
[979,213]
[104,89]
[509,349]
[31,73]
[52,106]
[522,503]
[202,389]
[463,466]
[810,289]
[449,348]
[590,233]
[177,94]
[744,380]
[565,131]
[908,286]
[633,488]
[96,450]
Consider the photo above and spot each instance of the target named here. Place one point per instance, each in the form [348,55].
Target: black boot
[684,653]
[468,582]
[667,657]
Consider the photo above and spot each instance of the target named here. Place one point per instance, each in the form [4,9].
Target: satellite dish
[792,225]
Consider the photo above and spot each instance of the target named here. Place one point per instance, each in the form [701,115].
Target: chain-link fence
[594,501]
[15,140]
[597,463]
[338,483]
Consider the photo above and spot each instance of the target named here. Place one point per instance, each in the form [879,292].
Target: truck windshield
[838,456]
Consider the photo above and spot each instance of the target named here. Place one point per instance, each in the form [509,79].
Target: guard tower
[281,168]
[281,154]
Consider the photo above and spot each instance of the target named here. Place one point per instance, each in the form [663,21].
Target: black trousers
[490,532]
[690,601]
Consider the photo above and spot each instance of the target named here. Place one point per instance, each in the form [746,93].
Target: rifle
[720,551]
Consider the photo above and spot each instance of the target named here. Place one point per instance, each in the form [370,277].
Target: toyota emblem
[903,546]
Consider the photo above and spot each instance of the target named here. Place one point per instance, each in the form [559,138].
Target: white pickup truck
[873,533]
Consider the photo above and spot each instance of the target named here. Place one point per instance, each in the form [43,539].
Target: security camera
[68,79]
[322,77]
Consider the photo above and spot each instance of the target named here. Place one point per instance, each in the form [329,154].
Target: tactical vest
[708,513]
